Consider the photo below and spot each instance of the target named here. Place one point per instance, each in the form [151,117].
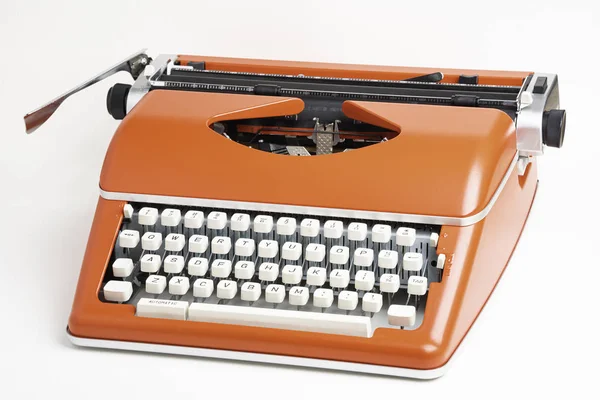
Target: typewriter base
[262,358]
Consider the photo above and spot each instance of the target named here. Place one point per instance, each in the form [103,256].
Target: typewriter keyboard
[298,272]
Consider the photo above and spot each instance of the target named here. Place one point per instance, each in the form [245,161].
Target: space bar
[351,325]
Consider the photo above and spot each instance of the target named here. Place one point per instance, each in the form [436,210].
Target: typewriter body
[335,216]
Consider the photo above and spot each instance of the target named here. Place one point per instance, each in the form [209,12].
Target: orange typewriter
[337,216]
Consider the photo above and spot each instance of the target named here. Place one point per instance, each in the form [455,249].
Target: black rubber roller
[553,127]
[116,100]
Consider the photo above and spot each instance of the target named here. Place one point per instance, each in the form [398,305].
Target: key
[198,244]
[372,302]
[309,227]
[127,211]
[339,255]
[406,236]
[333,229]
[316,276]
[412,261]
[244,247]
[268,272]
[388,259]
[347,300]
[441,261]
[363,257]
[220,245]
[174,242]
[357,231]
[268,248]
[263,224]
[216,220]
[150,263]
[298,296]
[244,270]
[122,267]
[339,278]
[197,266]
[151,241]
[286,226]
[240,222]
[203,288]
[315,252]
[433,239]
[129,239]
[120,291]
[417,285]
[174,264]
[179,285]
[381,233]
[389,283]
[364,280]
[156,284]
[291,251]
[220,268]
[170,217]
[250,291]
[291,274]
[323,298]
[148,216]
[275,294]
[401,315]
[193,219]
[166,309]
[226,290]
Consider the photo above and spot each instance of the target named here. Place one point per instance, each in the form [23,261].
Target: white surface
[50,183]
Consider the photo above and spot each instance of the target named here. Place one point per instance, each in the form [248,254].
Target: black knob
[553,127]
[116,100]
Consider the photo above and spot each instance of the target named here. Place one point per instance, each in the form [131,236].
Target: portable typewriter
[336,216]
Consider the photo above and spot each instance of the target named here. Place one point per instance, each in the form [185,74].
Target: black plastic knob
[116,100]
[553,127]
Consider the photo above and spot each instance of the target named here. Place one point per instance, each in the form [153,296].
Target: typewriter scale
[334,216]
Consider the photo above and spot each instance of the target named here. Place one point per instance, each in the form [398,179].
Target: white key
[433,239]
[291,274]
[244,247]
[315,252]
[193,219]
[179,285]
[347,300]
[323,298]
[250,291]
[309,227]
[316,276]
[291,251]
[268,272]
[156,284]
[198,244]
[406,236]
[333,229]
[299,295]
[412,261]
[339,278]
[220,245]
[389,283]
[244,269]
[220,268]
[203,288]
[122,267]
[286,226]
[174,264]
[268,248]
[275,294]
[216,220]
[441,261]
[166,309]
[170,217]
[364,280]
[197,266]
[357,231]
[381,233]
[174,242]
[339,255]
[363,257]
[226,289]
[401,315]
[388,259]
[147,216]
[417,285]
[240,222]
[263,224]
[118,291]
[372,302]
[127,211]
[151,241]
[129,239]
[150,263]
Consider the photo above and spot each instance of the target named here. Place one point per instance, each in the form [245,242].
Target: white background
[539,332]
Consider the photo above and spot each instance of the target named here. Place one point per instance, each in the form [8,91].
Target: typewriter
[348,217]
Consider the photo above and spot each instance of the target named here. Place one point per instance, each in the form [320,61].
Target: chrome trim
[142,85]
[320,211]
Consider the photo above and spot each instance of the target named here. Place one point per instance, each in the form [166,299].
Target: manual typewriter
[337,216]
